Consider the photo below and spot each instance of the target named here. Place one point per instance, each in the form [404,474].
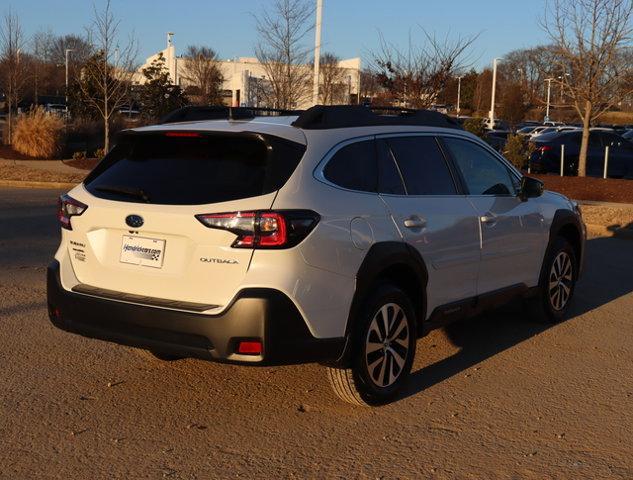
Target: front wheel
[558,282]
[383,347]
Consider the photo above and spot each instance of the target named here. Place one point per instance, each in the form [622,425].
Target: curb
[604,231]
[32,184]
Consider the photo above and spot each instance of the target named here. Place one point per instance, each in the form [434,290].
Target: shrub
[99,153]
[38,134]
[79,155]
[518,150]
[476,126]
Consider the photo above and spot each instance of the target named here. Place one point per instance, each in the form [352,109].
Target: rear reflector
[250,348]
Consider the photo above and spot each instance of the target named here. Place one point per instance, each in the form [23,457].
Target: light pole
[68,50]
[549,96]
[459,93]
[562,86]
[494,91]
[317,52]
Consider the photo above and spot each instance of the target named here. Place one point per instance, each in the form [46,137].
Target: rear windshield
[194,170]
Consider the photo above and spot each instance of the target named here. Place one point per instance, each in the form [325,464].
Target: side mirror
[531,188]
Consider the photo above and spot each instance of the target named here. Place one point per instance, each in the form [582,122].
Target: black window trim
[512,171]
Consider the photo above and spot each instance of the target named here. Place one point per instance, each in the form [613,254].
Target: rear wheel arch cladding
[381,260]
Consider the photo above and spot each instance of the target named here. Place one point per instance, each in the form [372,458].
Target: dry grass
[617,118]
[26,174]
[38,134]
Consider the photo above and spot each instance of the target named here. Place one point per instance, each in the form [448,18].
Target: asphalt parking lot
[495,397]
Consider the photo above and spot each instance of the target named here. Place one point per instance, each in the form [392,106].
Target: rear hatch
[140,236]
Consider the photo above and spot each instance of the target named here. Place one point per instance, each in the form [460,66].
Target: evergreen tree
[158,95]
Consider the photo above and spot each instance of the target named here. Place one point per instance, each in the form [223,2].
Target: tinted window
[171,170]
[423,166]
[389,180]
[483,173]
[354,167]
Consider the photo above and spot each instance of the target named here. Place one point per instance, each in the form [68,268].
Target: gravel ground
[493,398]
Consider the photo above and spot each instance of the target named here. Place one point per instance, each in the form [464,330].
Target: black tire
[376,375]
[556,288]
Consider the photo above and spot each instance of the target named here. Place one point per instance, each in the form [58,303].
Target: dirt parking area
[590,188]
[498,397]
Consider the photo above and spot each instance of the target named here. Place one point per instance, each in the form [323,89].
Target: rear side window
[195,170]
[354,167]
[423,166]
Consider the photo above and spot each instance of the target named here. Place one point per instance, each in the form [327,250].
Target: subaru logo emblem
[134,221]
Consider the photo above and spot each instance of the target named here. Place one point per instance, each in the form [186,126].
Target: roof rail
[192,113]
[344,116]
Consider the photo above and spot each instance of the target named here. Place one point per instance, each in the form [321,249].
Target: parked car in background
[498,124]
[546,157]
[527,130]
[537,130]
[560,128]
[497,139]
[130,114]
[56,109]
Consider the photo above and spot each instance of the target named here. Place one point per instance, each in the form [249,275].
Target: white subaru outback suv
[337,236]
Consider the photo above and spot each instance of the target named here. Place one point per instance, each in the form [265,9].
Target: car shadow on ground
[607,277]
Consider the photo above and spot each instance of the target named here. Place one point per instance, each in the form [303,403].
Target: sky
[351,28]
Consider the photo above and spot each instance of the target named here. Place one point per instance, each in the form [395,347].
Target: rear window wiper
[129,191]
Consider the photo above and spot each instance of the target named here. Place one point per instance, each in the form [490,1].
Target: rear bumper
[257,314]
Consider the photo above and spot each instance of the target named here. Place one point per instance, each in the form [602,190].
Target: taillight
[69,207]
[545,148]
[264,229]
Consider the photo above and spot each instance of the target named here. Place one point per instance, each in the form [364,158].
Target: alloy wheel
[387,345]
[560,281]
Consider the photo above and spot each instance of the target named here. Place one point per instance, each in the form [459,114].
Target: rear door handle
[414,222]
[488,219]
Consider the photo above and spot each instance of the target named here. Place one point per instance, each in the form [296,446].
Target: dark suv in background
[547,153]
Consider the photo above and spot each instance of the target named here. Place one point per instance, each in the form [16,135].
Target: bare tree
[416,75]
[332,88]
[201,69]
[106,80]
[13,69]
[588,37]
[282,30]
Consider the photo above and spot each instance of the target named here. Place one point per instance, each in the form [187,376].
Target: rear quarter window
[209,168]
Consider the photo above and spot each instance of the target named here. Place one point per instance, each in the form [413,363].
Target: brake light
[69,207]
[545,148]
[264,229]
[183,134]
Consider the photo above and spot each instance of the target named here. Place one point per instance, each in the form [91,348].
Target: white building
[241,74]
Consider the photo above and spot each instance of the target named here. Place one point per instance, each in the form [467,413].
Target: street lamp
[494,91]
[549,96]
[562,86]
[68,50]
[317,51]
[459,93]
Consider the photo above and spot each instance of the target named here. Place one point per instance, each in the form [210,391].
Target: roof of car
[337,129]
